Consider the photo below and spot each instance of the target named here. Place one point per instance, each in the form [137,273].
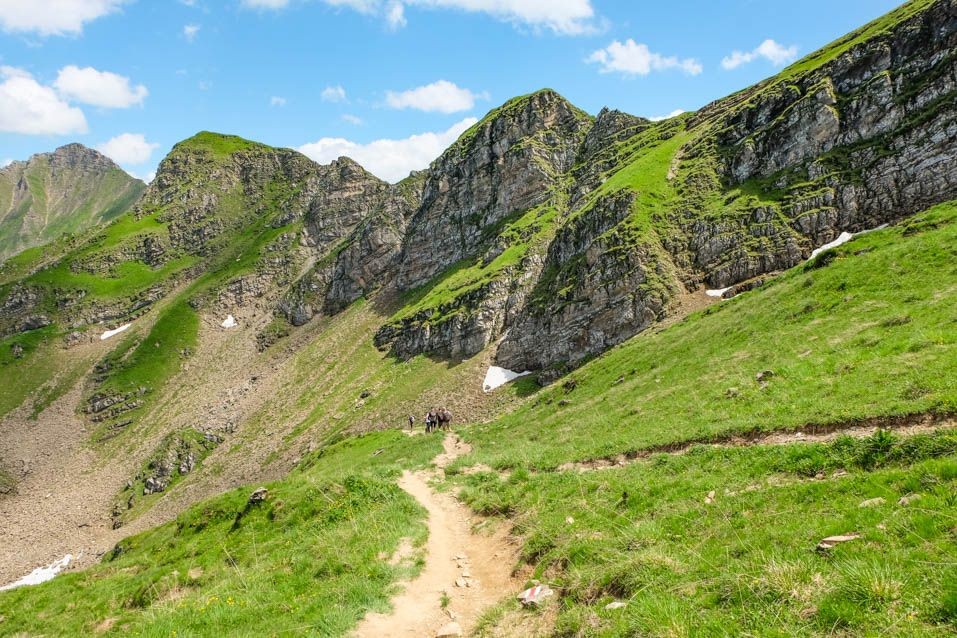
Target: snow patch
[496,377]
[230,322]
[718,292]
[843,238]
[41,574]
[109,333]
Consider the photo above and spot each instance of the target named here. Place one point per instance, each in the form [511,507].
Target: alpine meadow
[574,374]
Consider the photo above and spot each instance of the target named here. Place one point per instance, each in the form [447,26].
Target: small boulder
[907,499]
[617,604]
[17,351]
[831,541]
[535,595]
[764,376]
[709,499]
[873,502]
[258,496]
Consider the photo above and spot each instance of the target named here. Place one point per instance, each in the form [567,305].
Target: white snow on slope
[230,322]
[496,377]
[718,292]
[41,574]
[843,238]
[109,333]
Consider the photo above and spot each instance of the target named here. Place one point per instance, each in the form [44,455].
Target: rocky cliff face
[511,161]
[856,135]
[68,190]
[548,232]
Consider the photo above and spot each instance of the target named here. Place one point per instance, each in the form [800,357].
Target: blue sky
[390,82]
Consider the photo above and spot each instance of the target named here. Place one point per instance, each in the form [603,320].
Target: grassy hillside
[745,560]
[646,475]
[67,191]
[861,331]
[290,565]
[696,542]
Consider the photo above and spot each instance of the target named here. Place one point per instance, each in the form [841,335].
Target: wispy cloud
[333,94]
[265,4]
[99,88]
[31,108]
[190,31]
[775,53]
[352,119]
[440,97]
[658,118]
[389,159]
[633,58]
[63,17]
[128,148]
[277,101]
[562,17]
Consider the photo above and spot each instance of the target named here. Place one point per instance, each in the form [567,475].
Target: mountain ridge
[66,190]
[544,239]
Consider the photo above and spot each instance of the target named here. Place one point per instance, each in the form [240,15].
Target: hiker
[430,421]
[411,422]
[443,419]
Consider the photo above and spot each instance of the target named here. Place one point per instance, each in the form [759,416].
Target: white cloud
[333,94]
[190,31]
[658,118]
[30,108]
[632,58]
[6,162]
[53,17]
[277,101]
[99,88]
[775,53]
[265,4]
[128,148]
[352,119]
[395,15]
[391,160]
[563,17]
[442,97]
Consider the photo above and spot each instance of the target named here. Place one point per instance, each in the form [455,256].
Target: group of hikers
[437,418]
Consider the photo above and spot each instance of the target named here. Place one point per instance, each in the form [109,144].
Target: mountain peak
[66,190]
[220,144]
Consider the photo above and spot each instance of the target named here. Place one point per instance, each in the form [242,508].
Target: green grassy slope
[862,331]
[105,268]
[292,565]
[746,563]
[55,205]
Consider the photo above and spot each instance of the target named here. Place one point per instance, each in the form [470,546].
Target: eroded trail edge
[467,571]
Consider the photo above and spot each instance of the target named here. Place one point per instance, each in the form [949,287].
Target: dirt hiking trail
[473,570]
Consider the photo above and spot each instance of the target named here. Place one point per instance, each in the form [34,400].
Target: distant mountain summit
[68,190]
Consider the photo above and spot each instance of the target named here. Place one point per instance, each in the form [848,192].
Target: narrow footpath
[465,573]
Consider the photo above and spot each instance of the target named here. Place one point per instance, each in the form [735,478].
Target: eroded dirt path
[904,427]
[474,570]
